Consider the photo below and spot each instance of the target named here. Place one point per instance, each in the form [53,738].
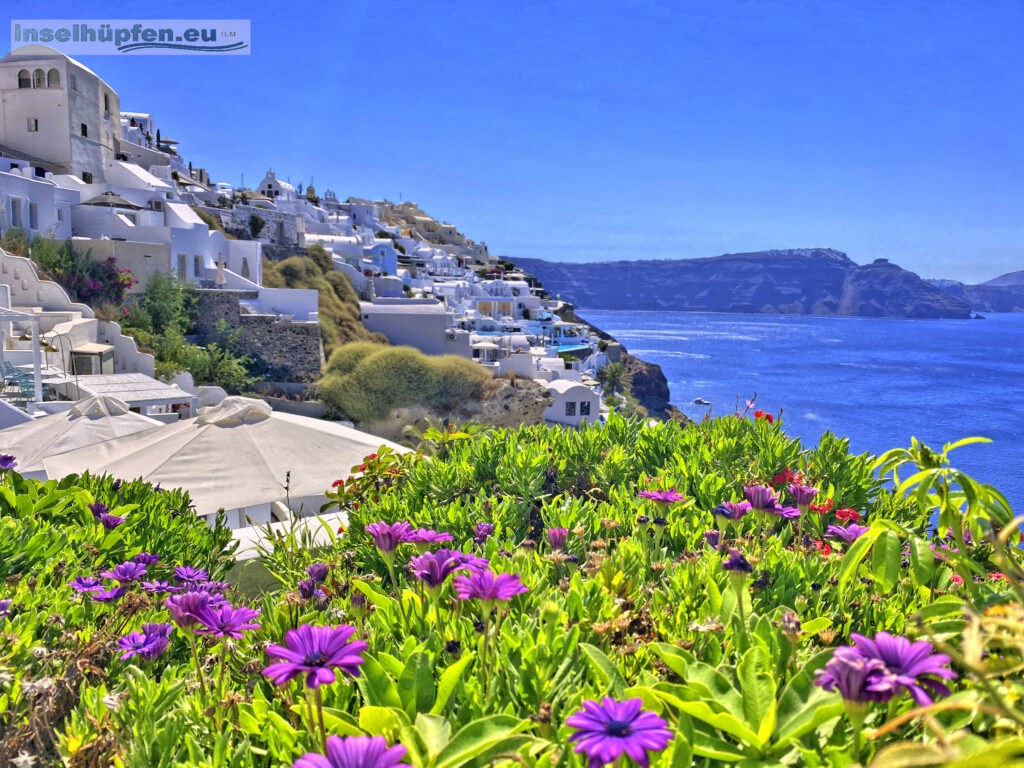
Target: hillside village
[75,167]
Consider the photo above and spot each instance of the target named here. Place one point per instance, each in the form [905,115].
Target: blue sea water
[877,381]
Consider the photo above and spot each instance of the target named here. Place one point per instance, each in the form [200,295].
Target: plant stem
[309,717]
[195,657]
[320,718]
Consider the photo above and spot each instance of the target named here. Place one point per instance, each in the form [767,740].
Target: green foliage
[256,225]
[364,381]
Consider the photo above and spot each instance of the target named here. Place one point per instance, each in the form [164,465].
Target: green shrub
[345,359]
[457,380]
[321,258]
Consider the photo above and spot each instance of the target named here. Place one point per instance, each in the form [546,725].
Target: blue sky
[586,130]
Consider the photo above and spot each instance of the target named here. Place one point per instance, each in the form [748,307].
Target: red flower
[371,456]
[787,476]
[958,580]
[850,515]
[820,508]
[997,576]
[337,483]
[764,416]
[824,547]
[361,468]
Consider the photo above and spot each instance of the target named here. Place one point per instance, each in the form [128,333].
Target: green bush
[365,381]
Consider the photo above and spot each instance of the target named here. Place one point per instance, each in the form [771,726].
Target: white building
[54,109]
[574,403]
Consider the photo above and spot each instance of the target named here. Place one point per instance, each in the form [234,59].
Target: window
[85,129]
[72,81]
[87,177]
[197,265]
[53,79]
[39,79]
[245,268]
[15,212]
[106,103]
[182,266]
[584,408]
[60,214]
[33,216]
[33,124]
[24,79]
[570,409]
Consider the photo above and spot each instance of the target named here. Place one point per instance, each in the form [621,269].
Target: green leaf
[922,561]
[854,557]
[605,669]
[416,684]
[758,689]
[449,681]
[480,736]
[434,732]
[816,625]
[380,721]
[377,688]
[885,560]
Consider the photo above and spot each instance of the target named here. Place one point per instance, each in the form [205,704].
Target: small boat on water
[700,401]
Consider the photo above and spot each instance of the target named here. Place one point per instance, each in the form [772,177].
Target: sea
[878,381]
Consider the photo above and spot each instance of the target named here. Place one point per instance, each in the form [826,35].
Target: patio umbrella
[221,278]
[112,200]
[233,455]
[90,421]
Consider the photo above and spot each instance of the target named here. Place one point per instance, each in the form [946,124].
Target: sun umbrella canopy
[90,421]
[233,455]
[112,200]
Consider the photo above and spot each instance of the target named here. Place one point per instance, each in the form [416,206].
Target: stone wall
[292,346]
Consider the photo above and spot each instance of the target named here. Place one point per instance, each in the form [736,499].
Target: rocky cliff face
[817,281]
[999,295]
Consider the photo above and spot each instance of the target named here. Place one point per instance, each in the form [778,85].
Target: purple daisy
[803,495]
[86,584]
[158,587]
[355,752]
[387,536]
[662,497]
[482,532]
[787,513]
[317,572]
[433,568]
[712,538]
[125,573]
[557,538]
[108,595]
[732,510]
[148,644]
[849,533]
[110,522]
[736,562]
[145,558]
[488,586]
[849,673]
[909,665]
[186,608]
[226,621]
[7,462]
[606,731]
[761,497]
[188,573]
[316,652]
[309,589]
[5,607]
[425,537]
[98,509]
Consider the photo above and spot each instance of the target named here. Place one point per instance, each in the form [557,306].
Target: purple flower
[387,536]
[109,595]
[5,607]
[557,538]
[98,509]
[472,563]
[712,537]
[144,558]
[482,532]
[488,586]
[849,673]
[226,621]
[159,587]
[908,665]
[149,643]
[432,568]
[736,562]
[186,607]
[315,652]
[210,586]
[787,513]
[849,533]
[188,573]
[308,589]
[7,462]
[732,510]
[110,522]
[606,731]
[355,752]
[424,537]
[803,495]
[662,497]
[125,572]
[86,584]
[761,497]
[317,572]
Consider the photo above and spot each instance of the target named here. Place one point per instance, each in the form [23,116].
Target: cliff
[813,281]
[1002,294]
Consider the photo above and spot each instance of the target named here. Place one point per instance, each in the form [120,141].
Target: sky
[587,131]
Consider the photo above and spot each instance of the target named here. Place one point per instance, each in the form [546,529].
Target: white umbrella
[221,278]
[92,420]
[234,455]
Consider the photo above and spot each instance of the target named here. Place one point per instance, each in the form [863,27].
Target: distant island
[805,281]
[1001,294]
